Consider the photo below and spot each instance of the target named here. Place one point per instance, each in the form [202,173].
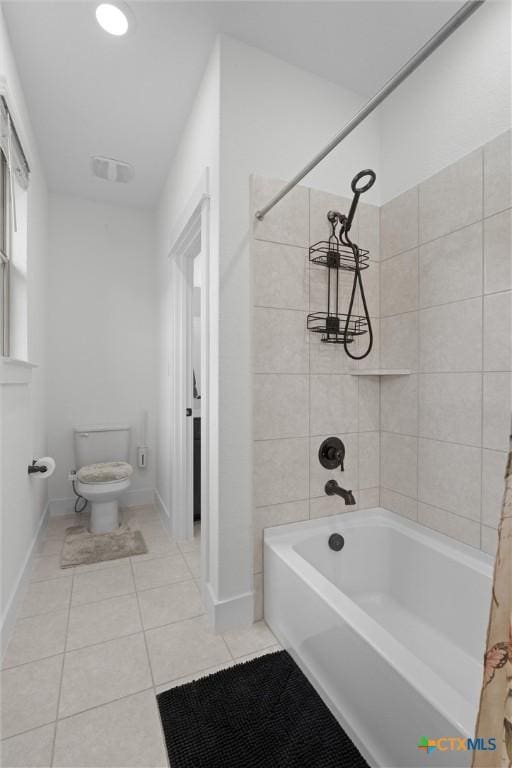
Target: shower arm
[453,23]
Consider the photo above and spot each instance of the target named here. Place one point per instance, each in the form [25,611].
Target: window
[14,174]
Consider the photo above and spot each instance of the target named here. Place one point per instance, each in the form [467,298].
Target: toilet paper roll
[49,463]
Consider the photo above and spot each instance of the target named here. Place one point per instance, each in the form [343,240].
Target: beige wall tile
[493,486]
[399,224]
[281,405]
[368,216]
[456,527]
[498,332]
[451,267]
[372,361]
[281,276]
[497,176]
[449,476]
[396,502]
[399,404]
[399,283]
[451,407]
[497,409]
[489,540]
[258,596]
[451,337]
[369,459]
[399,341]
[333,404]
[368,403]
[399,463]
[368,498]
[452,198]
[280,341]
[328,358]
[278,514]
[280,471]
[497,253]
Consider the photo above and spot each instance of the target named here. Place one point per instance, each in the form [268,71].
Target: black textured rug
[260,714]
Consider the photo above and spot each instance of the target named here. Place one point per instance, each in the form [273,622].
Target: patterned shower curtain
[495,713]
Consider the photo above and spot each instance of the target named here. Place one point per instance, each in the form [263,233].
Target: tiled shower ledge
[382,372]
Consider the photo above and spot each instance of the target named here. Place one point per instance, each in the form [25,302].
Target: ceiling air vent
[111,170]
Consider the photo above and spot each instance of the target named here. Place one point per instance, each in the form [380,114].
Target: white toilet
[103,472]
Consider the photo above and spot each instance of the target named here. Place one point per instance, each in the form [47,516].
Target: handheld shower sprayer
[358,191]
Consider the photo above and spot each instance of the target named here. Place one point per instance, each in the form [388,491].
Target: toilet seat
[105,472]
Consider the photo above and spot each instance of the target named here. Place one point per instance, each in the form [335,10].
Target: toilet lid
[105,472]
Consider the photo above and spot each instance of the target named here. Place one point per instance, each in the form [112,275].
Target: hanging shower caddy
[339,253]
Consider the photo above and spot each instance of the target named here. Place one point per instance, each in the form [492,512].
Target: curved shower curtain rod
[424,52]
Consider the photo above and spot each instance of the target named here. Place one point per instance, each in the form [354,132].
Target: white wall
[102,329]
[22,411]
[458,100]
[198,150]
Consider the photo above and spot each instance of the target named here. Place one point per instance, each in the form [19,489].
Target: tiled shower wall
[430,445]
[446,314]
[303,390]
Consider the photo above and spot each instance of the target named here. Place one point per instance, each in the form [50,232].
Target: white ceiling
[90,93]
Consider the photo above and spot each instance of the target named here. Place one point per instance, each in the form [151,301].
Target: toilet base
[104,516]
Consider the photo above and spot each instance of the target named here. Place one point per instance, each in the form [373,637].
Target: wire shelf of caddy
[334,326]
[331,253]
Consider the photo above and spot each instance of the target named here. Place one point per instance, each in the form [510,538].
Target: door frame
[193,224]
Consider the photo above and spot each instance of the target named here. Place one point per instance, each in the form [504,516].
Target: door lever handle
[188,412]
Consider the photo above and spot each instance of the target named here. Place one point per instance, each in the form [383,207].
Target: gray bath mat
[83,548]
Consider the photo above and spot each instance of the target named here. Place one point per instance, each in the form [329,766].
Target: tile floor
[92,646]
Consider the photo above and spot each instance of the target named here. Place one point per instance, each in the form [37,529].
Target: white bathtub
[390,630]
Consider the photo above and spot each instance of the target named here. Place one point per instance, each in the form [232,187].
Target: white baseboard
[137,497]
[9,614]
[234,613]
[165,514]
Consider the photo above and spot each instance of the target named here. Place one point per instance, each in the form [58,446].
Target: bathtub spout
[332,487]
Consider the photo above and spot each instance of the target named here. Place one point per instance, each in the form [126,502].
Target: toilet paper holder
[35,468]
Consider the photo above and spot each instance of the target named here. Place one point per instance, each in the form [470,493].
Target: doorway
[189,374]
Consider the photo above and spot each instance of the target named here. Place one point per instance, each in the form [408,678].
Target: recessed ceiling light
[112,18]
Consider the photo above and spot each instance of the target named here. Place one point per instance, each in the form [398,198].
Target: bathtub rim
[428,684]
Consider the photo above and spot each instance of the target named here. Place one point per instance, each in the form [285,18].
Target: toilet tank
[101,443]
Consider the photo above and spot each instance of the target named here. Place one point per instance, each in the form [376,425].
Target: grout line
[103,704]
[29,730]
[434,506]
[446,234]
[418,354]
[148,657]
[52,754]
[429,307]
[482,341]
[439,440]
